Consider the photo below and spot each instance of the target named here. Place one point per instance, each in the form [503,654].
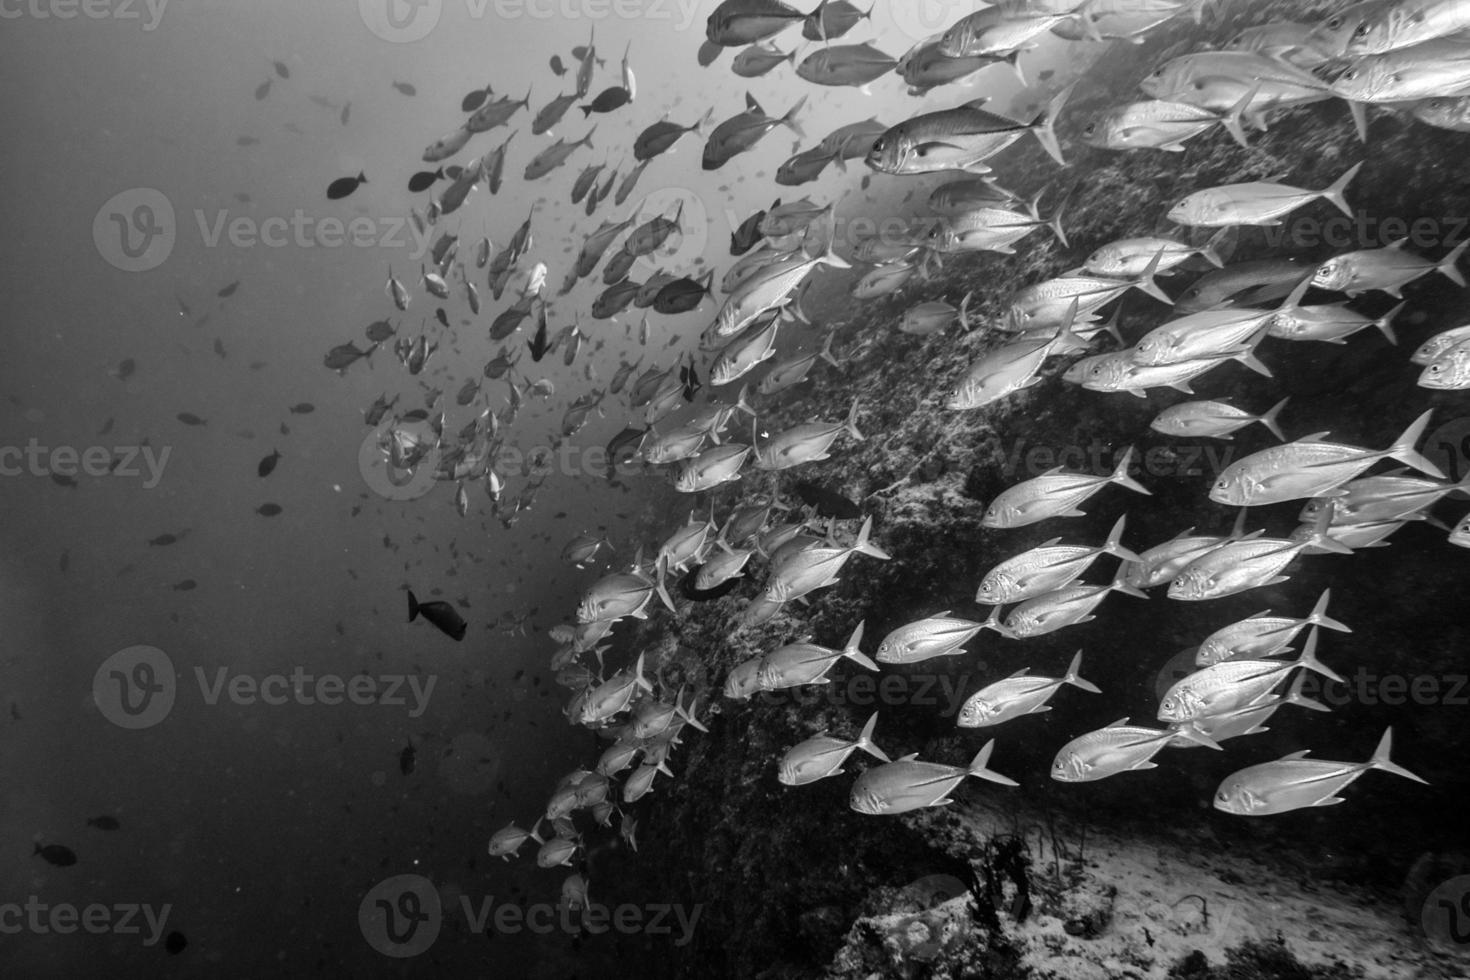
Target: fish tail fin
[851,424]
[663,592]
[361,177]
[1336,192]
[587,140]
[852,649]
[1269,419]
[1247,356]
[964,311]
[1385,322]
[1210,250]
[1120,475]
[1114,544]
[1043,127]
[830,257]
[993,622]
[413,606]
[789,120]
[1296,697]
[704,121]
[688,713]
[977,766]
[865,739]
[1380,759]
[865,546]
[1232,119]
[1121,584]
[638,678]
[1310,662]
[826,352]
[1145,282]
[1014,60]
[741,404]
[1450,266]
[1318,616]
[535,832]
[1055,221]
[1403,449]
[1075,679]
[586,111]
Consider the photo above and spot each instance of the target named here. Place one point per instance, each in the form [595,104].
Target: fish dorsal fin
[752,105]
[1048,544]
[1020,672]
[1295,755]
[1316,436]
[1119,723]
[910,757]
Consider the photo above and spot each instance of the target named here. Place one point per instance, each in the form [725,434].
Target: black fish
[406,759]
[246,141]
[829,503]
[282,70]
[227,291]
[343,186]
[723,589]
[189,418]
[187,585]
[104,823]
[262,90]
[302,408]
[441,614]
[267,465]
[406,88]
[175,943]
[268,510]
[682,295]
[475,99]
[628,437]
[379,330]
[163,540]
[607,100]
[743,239]
[62,857]
[557,67]
[441,316]
[538,344]
[346,111]
[424,179]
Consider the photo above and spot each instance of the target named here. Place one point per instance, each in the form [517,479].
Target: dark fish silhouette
[189,418]
[103,823]
[343,186]
[227,291]
[267,465]
[475,99]
[187,585]
[62,857]
[829,503]
[607,100]
[302,408]
[743,239]
[282,70]
[263,89]
[539,344]
[406,759]
[405,88]
[441,614]
[557,67]
[268,510]
[424,179]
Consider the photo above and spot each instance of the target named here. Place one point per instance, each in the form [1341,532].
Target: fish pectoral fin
[924,149]
[1329,801]
[1039,709]
[946,801]
[1145,765]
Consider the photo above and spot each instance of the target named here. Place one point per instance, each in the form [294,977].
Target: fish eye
[1089,129]
[1334,23]
[1364,29]
[880,144]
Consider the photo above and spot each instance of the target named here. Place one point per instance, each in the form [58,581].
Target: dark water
[213,698]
